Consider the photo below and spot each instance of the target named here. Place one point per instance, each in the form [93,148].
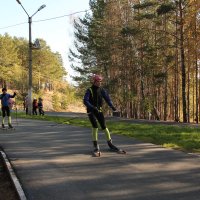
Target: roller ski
[10,127]
[113,148]
[96,152]
[3,127]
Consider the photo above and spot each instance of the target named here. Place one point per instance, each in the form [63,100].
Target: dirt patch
[7,191]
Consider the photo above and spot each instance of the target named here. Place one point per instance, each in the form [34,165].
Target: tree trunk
[182,64]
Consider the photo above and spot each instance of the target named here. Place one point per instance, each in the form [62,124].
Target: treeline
[47,68]
[149,53]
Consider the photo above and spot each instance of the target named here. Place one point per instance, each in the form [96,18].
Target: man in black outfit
[93,100]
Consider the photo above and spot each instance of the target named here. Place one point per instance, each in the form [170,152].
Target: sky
[58,33]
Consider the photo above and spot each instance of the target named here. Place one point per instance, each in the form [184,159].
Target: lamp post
[30,56]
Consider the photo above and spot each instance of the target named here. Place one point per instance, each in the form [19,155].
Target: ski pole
[16,117]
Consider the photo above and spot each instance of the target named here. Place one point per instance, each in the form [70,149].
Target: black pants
[34,111]
[41,111]
[97,116]
[5,110]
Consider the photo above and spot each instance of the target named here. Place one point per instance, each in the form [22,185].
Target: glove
[113,108]
[15,93]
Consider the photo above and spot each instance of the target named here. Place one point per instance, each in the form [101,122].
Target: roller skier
[93,100]
[5,100]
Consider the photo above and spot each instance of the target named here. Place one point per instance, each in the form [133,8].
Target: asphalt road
[54,162]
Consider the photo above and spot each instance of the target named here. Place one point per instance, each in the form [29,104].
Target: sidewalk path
[54,162]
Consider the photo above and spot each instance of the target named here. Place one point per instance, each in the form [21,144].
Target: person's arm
[13,96]
[86,100]
[107,99]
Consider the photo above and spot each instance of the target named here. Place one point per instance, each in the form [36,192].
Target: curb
[13,177]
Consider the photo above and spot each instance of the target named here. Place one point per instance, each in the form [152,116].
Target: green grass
[184,138]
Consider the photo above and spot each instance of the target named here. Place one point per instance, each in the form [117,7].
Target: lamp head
[41,7]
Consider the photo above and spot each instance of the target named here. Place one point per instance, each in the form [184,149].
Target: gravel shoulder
[7,190]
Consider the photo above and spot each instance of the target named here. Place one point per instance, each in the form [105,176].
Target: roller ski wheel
[3,127]
[96,154]
[121,151]
[9,128]
[114,148]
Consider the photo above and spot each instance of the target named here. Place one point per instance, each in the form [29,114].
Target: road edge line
[13,177]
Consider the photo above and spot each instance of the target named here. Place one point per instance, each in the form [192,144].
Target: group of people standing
[37,105]
[7,104]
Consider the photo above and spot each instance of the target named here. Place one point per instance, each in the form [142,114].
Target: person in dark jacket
[40,106]
[5,99]
[93,100]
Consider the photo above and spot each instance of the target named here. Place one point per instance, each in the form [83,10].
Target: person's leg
[34,111]
[9,117]
[94,134]
[94,131]
[101,120]
[3,116]
[93,121]
[9,122]
[40,111]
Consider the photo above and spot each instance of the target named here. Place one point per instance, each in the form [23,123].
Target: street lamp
[30,56]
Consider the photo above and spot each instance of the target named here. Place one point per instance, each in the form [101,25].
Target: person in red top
[35,106]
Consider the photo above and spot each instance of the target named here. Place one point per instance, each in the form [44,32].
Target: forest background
[49,82]
[147,51]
